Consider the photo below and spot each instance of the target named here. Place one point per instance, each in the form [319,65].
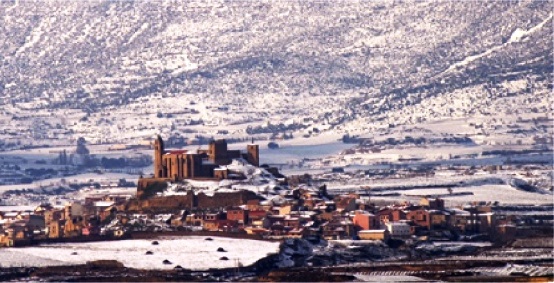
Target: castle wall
[200,201]
[145,182]
[173,202]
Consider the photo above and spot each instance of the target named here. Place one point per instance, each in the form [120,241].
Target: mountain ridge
[98,55]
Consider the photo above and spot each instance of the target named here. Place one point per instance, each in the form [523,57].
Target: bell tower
[159,171]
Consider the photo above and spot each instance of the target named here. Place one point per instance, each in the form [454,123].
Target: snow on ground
[517,36]
[17,207]
[257,180]
[465,188]
[504,194]
[508,269]
[450,246]
[105,177]
[288,152]
[189,252]
[386,278]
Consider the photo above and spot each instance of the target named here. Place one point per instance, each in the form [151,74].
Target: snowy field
[295,153]
[4,208]
[85,177]
[504,194]
[387,278]
[191,252]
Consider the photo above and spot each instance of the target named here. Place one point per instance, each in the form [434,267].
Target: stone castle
[179,165]
[202,164]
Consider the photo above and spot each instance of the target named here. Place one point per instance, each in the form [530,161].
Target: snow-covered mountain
[118,71]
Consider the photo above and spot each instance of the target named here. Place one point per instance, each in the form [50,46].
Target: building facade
[182,164]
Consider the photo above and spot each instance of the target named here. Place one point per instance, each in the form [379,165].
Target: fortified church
[179,165]
[202,164]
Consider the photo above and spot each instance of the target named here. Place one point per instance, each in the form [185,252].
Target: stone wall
[199,201]
[172,202]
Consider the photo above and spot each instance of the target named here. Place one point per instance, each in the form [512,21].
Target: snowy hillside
[119,71]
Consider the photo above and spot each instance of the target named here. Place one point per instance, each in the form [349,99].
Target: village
[167,202]
[203,209]
[304,213]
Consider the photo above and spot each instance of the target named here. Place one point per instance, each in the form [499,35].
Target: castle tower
[159,171]
[253,154]
[217,152]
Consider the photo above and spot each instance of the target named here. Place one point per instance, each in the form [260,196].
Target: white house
[399,229]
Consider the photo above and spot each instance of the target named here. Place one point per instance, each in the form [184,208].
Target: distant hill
[304,64]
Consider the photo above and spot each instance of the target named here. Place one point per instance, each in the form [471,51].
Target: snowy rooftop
[103,203]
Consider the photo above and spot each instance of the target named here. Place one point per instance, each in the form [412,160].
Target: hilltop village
[228,192]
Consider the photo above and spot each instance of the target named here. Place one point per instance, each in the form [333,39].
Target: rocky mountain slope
[121,70]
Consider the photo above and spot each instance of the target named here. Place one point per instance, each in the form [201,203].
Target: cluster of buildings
[303,212]
[306,213]
[300,211]
[48,222]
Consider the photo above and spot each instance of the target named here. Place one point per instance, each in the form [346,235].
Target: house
[237,214]
[5,240]
[73,227]
[282,210]
[211,225]
[459,219]
[17,231]
[55,229]
[431,203]
[399,229]
[346,203]
[398,215]
[364,220]
[255,217]
[52,215]
[211,221]
[73,210]
[303,216]
[385,215]
[229,225]
[381,234]
[312,202]
[272,220]
[106,212]
[33,222]
[194,220]
[177,220]
[337,229]
[439,219]
[291,222]
[420,217]
[486,222]
[101,208]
